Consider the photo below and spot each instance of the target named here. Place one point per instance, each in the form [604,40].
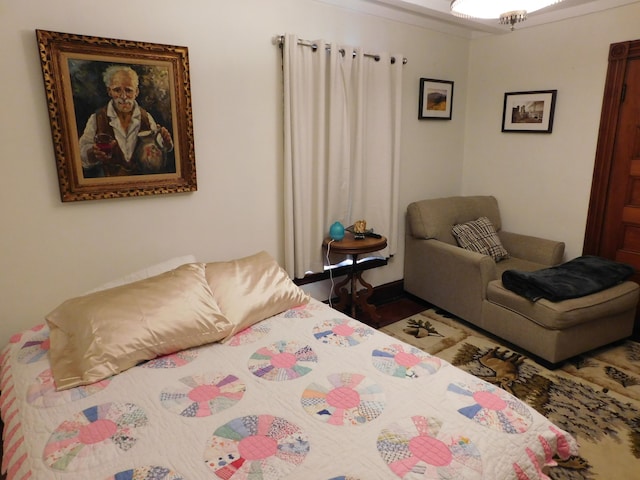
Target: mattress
[306,394]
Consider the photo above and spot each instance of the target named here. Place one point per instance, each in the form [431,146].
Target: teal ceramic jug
[336,231]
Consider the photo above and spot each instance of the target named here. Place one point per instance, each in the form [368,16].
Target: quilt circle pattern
[94,436]
[203,395]
[405,362]
[301,311]
[256,447]
[346,399]
[250,334]
[42,393]
[35,348]
[420,448]
[153,472]
[342,332]
[491,407]
[173,360]
[282,361]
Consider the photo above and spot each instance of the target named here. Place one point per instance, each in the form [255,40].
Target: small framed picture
[530,112]
[436,99]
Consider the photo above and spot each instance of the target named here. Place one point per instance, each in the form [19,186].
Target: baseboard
[388,292]
[338,271]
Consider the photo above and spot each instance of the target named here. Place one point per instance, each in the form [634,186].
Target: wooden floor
[400,308]
[392,303]
[390,308]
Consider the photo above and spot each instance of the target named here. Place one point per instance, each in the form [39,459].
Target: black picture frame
[529,112]
[436,99]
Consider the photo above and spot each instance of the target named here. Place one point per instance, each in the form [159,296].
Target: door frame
[619,54]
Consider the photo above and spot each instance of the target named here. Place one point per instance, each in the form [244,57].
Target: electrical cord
[330,272]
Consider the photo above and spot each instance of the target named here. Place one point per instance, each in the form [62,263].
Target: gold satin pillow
[104,333]
[253,288]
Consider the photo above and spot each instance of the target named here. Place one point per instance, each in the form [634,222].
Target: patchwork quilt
[307,394]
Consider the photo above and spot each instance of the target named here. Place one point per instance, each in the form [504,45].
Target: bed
[305,393]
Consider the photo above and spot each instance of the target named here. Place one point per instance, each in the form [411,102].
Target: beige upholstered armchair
[469,284]
[440,272]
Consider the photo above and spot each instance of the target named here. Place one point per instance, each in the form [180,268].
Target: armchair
[468,284]
[456,280]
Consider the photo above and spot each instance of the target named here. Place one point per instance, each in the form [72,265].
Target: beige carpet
[596,397]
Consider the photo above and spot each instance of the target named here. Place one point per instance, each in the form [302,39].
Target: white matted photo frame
[436,99]
[120,114]
[530,112]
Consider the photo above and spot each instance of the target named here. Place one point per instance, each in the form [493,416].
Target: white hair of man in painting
[111,70]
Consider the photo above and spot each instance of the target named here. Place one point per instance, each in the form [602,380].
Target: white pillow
[150,271]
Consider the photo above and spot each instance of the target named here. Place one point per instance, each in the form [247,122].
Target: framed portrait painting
[436,99]
[530,112]
[120,114]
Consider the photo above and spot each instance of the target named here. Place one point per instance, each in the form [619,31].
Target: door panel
[613,224]
[621,211]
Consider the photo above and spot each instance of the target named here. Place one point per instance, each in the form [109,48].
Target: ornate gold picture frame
[120,114]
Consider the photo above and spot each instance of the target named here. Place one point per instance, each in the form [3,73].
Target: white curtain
[342,146]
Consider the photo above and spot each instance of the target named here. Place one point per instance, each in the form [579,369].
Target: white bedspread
[308,394]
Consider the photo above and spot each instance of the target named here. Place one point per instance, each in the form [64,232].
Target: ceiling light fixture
[509,12]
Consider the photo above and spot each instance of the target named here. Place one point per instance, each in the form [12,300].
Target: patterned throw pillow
[480,236]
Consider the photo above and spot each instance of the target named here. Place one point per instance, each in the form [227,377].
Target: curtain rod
[307,43]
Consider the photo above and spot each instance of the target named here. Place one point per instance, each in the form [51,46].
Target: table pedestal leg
[342,294]
[354,289]
[362,297]
[354,298]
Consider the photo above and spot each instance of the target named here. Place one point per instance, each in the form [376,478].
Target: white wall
[50,251]
[542,181]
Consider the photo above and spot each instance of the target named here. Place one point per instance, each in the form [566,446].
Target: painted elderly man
[122,138]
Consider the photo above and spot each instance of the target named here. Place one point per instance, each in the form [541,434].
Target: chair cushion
[576,278]
[433,218]
[480,236]
[567,313]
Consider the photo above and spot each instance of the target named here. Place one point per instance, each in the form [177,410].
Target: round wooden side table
[354,247]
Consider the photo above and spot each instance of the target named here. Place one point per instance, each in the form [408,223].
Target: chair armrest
[533,249]
[448,276]
[453,261]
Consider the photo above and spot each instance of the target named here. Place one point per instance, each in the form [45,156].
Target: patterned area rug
[596,397]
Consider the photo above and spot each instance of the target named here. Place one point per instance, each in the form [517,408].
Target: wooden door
[613,223]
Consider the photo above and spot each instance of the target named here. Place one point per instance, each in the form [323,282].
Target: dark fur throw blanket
[575,278]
